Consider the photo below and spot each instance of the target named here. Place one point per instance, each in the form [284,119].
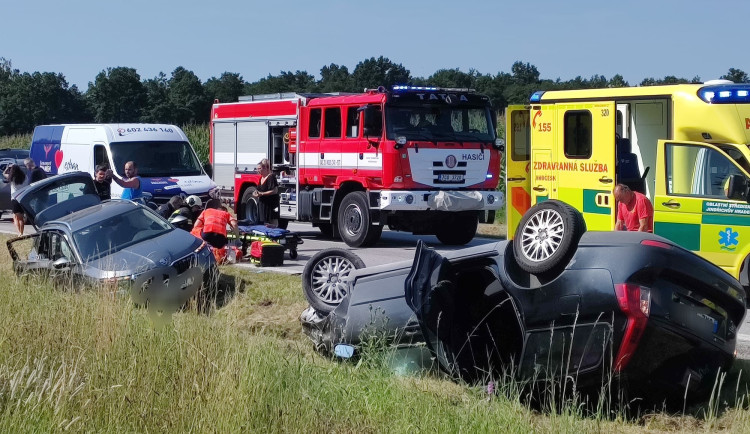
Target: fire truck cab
[422,160]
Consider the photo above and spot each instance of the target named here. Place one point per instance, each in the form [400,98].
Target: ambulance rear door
[585,165]
[517,165]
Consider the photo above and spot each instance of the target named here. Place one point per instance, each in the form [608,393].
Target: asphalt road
[393,247]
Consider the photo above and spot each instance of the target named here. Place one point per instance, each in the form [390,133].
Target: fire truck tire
[460,232]
[355,227]
[326,229]
[283,223]
[249,206]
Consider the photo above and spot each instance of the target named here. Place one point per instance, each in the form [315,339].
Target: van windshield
[157,158]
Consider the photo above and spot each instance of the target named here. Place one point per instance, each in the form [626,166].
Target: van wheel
[355,227]
[283,223]
[462,230]
[249,206]
[322,278]
[547,236]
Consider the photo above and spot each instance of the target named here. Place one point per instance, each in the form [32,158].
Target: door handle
[539,188]
[605,180]
[322,156]
[671,204]
[515,179]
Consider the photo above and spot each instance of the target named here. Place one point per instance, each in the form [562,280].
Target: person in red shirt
[211,225]
[634,210]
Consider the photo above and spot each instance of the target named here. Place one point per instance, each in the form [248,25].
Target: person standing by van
[131,182]
[103,183]
[14,174]
[35,173]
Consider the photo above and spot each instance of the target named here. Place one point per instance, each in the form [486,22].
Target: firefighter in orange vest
[211,225]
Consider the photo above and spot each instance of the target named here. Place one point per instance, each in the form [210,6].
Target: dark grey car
[80,238]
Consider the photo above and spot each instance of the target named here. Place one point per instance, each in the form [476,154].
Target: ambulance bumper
[446,200]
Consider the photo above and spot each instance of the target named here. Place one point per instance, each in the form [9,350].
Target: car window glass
[698,171]
[57,192]
[114,233]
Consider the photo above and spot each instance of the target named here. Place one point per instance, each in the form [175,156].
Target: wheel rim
[542,235]
[326,279]
[353,220]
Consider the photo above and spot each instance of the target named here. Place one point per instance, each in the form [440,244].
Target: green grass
[87,360]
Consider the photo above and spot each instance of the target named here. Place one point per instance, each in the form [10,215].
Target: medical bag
[267,253]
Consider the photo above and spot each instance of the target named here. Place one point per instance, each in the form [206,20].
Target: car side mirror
[736,188]
[61,264]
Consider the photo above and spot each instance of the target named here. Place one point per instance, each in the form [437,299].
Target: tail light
[635,303]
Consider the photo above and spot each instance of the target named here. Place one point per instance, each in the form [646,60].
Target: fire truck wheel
[249,206]
[547,236]
[283,223]
[326,229]
[462,230]
[323,278]
[355,227]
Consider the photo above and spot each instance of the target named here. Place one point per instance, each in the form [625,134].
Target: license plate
[450,178]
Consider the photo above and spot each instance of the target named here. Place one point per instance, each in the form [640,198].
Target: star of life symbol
[728,239]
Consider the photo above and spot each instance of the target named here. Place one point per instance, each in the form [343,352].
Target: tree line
[119,94]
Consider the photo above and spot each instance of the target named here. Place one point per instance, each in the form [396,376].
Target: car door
[585,160]
[46,253]
[57,196]
[517,164]
[691,206]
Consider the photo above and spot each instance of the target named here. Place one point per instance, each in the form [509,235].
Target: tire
[547,236]
[293,253]
[321,278]
[249,206]
[461,232]
[326,229]
[283,223]
[355,227]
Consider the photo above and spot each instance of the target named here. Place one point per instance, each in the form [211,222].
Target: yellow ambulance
[684,146]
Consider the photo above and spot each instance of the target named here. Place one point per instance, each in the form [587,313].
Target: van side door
[585,163]
[517,165]
[691,206]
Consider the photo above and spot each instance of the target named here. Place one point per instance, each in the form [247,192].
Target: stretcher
[288,239]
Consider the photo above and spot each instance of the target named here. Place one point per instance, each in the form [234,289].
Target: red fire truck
[418,159]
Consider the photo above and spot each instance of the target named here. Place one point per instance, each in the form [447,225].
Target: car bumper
[446,200]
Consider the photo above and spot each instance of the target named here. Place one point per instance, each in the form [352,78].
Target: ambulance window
[333,123]
[314,127]
[578,134]
[698,171]
[352,122]
[521,137]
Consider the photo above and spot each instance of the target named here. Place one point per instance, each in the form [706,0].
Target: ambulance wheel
[249,206]
[355,227]
[463,230]
[322,278]
[547,236]
[293,253]
[283,223]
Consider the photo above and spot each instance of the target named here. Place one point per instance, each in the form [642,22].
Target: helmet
[192,201]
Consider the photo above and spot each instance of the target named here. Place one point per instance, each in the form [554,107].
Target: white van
[167,163]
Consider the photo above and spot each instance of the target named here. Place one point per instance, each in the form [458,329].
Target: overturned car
[81,240]
[555,302]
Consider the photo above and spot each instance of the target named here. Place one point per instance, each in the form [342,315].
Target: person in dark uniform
[267,194]
[190,210]
[103,183]
[170,207]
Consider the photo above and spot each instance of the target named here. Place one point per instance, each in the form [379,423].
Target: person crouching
[211,225]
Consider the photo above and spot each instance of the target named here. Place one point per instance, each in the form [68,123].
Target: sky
[637,39]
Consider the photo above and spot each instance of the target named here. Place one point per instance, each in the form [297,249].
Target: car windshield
[157,159]
[115,233]
[433,122]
